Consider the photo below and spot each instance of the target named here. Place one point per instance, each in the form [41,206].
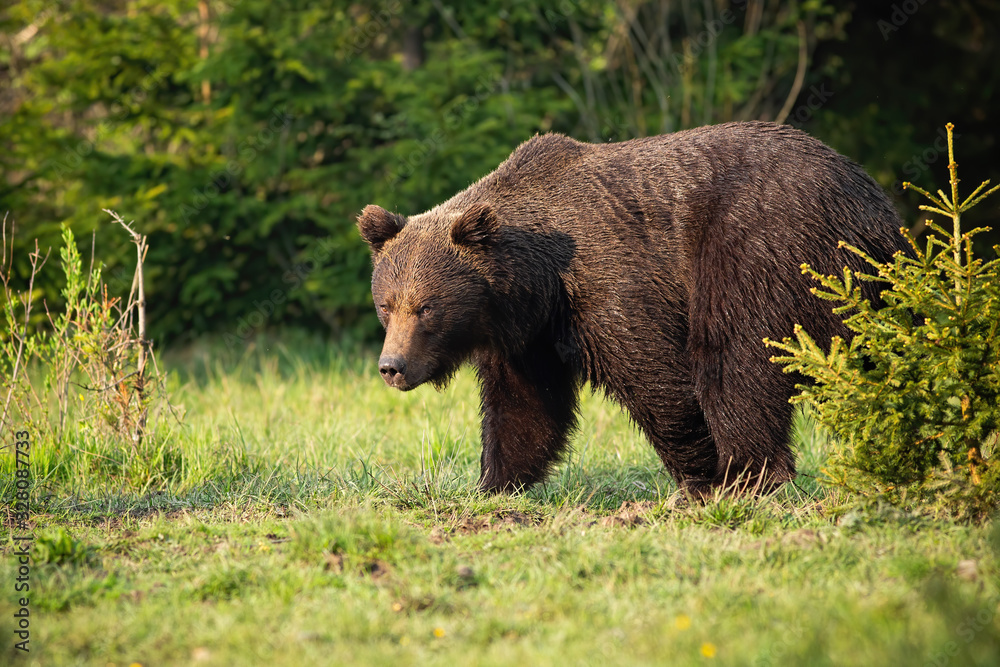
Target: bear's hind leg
[675,426]
[528,414]
[745,402]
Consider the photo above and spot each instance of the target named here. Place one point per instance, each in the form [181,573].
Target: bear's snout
[393,369]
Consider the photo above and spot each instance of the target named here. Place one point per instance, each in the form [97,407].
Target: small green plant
[914,397]
[61,548]
[84,374]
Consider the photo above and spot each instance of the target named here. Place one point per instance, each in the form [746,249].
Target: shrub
[914,397]
[87,377]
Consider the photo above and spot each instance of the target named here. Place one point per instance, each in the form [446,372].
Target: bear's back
[779,179]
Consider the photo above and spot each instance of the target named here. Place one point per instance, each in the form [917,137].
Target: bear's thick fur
[652,268]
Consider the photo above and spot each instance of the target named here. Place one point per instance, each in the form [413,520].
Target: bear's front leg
[529,408]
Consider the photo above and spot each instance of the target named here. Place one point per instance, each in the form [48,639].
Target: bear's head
[430,283]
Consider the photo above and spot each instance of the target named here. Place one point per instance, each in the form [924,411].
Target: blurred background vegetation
[244,136]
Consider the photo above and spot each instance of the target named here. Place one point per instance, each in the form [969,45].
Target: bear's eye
[384,308]
[425,310]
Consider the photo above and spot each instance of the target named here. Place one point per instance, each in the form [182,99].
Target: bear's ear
[377,226]
[478,226]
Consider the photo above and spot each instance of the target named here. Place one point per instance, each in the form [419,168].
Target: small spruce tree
[914,397]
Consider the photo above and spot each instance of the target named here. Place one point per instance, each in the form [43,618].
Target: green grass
[305,514]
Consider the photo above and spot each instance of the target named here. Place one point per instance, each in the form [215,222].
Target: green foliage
[84,376]
[915,395]
[246,141]
[59,547]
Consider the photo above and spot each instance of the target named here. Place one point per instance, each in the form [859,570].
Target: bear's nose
[390,367]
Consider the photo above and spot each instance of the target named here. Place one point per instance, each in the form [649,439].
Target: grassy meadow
[299,512]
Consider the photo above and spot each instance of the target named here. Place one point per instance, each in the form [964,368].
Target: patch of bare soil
[465,524]
[630,514]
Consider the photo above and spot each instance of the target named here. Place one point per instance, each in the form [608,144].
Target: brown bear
[651,268]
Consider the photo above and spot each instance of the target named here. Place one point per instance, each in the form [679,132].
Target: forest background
[244,136]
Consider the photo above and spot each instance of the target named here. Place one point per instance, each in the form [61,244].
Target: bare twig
[203,31]
[110,385]
[140,307]
[709,97]
[800,76]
